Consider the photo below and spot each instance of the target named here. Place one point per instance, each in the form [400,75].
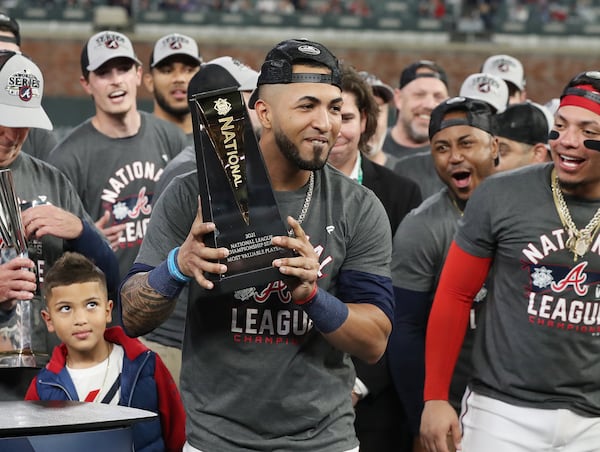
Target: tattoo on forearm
[143,308]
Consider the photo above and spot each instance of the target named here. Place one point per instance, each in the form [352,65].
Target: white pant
[188,448]
[490,425]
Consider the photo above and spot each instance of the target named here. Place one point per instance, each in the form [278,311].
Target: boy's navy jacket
[145,383]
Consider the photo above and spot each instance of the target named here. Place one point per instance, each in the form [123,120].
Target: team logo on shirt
[564,295]
[249,324]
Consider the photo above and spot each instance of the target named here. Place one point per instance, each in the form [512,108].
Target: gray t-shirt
[390,146]
[119,174]
[256,375]
[420,168]
[538,341]
[37,182]
[421,245]
[39,143]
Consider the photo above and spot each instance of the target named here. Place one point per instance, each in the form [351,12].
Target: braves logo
[25,93]
[141,206]
[275,287]
[484,87]
[576,278]
[111,44]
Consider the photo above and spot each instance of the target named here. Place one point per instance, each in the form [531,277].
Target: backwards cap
[525,123]
[583,91]
[105,46]
[9,24]
[422,68]
[506,67]
[488,88]
[175,44]
[478,114]
[278,65]
[22,87]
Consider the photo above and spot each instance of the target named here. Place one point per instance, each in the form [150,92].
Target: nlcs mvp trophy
[235,189]
[15,324]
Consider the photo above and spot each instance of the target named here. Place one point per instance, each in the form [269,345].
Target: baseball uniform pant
[493,426]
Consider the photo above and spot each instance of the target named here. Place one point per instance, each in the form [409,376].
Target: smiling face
[577,167]
[113,86]
[303,119]
[415,102]
[463,157]
[78,313]
[345,151]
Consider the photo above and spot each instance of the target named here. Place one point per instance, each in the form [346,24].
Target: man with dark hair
[533,233]
[173,62]
[464,151]
[268,367]
[522,131]
[115,158]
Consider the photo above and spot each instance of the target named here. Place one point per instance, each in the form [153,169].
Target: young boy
[96,364]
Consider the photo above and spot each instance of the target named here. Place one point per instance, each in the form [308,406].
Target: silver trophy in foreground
[16,318]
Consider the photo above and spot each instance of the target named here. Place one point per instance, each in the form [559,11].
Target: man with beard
[464,152]
[173,63]
[423,85]
[272,370]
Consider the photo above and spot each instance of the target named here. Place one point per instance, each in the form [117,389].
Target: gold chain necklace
[579,240]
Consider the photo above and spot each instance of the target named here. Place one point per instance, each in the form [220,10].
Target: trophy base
[19,358]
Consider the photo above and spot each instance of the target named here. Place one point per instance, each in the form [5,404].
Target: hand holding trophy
[15,325]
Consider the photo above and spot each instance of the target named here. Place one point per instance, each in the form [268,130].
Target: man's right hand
[195,258]
[438,421]
[17,282]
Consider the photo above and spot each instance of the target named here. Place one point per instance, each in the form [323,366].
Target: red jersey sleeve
[462,277]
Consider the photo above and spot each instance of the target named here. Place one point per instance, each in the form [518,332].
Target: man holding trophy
[41,216]
[267,366]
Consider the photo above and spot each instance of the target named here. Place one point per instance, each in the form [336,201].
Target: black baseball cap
[422,68]
[524,123]
[278,65]
[9,24]
[479,114]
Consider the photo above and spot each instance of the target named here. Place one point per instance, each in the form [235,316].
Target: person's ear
[48,320]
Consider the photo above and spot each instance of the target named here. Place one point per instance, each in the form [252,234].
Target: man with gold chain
[535,384]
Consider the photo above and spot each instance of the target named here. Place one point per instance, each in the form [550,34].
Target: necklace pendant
[582,245]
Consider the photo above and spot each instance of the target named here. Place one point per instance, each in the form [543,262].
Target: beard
[291,152]
[414,134]
[173,111]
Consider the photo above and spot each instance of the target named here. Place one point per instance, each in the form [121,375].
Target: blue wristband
[160,279]
[327,312]
[174,268]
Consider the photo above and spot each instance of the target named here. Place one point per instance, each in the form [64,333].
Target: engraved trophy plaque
[15,324]
[235,189]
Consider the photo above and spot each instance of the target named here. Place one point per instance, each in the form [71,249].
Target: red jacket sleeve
[32,393]
[170,406]
[461,278]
